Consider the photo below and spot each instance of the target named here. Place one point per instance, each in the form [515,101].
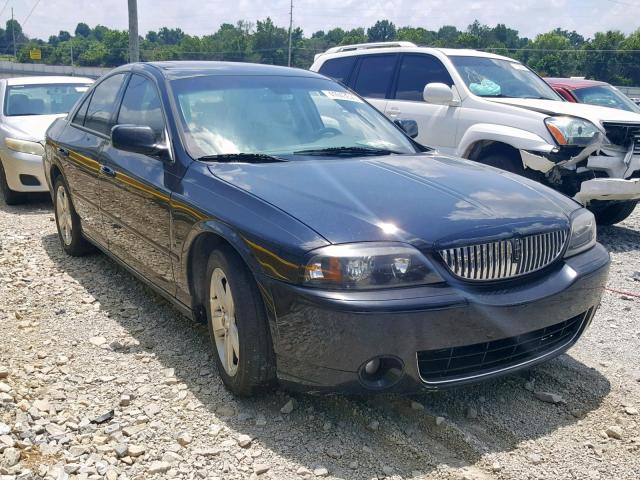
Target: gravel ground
[101,378]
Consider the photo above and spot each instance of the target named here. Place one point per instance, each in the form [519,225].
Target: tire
[68,221]
[238,325]
[11,197]
[504,162]
[613,213]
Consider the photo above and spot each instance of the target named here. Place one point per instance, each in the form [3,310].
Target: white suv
[496,111]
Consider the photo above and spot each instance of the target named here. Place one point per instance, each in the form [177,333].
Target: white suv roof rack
[365,46]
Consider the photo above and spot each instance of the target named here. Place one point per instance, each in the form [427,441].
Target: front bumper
[24,171]
[323,339]
[608,189]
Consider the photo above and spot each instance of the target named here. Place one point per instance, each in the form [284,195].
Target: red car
[578,90]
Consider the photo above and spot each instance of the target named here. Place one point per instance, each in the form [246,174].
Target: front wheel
[10,197]
[503,161]
[614,212]
[238,325]
[68,221]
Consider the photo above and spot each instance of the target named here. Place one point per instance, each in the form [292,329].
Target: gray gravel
[101,378]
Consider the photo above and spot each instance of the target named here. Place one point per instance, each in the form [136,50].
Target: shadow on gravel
[335,431]
[619,239]
[34,205]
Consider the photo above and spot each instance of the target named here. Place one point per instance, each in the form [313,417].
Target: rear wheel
[238,325]
[610,213]
[68,221]
[11,197]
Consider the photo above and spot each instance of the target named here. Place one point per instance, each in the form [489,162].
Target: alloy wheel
[225,329]
[63,215]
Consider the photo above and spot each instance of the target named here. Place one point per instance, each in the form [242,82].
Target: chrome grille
[505,258]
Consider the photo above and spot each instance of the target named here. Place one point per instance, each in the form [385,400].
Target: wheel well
[55,173]
[485,148]
[199,253]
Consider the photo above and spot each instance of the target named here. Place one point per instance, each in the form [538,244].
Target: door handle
[109,172]
[63,151]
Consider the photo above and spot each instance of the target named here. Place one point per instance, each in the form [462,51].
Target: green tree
[382,31]
[82,30]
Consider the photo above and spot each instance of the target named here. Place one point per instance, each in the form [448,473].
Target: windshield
[490,77]
[605,96]
[49,99]
[278,115]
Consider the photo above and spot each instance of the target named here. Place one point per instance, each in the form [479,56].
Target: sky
[198,17]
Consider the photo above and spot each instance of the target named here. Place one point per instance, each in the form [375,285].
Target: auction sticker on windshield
[335,95]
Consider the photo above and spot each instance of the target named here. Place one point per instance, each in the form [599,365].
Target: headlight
[24,146]
[360,266]
[583,232]
[572,131]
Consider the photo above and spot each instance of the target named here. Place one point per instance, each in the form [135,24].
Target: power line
[5,6]
[32,10]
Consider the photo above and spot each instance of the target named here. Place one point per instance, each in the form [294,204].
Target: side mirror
[410,127]
[438,94]
[137,139]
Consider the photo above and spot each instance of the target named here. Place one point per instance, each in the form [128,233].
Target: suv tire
[610,214]
[504,161]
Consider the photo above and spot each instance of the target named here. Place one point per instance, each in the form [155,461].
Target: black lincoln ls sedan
[326,250]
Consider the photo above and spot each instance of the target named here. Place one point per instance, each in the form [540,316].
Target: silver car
[28,105]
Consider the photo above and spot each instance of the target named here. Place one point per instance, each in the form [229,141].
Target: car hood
[30,127]
[593,113]
[425,200]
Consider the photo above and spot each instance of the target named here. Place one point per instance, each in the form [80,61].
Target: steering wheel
[328,132]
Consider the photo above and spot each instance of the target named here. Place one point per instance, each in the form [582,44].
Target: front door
[436,123]
[136,202]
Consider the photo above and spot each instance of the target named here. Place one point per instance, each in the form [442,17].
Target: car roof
[47,79]
[395,47]
[572,83]
[185,69]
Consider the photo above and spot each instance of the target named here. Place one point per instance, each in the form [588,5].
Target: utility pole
[13,34]
[134,46]
[71,48]
[290,31]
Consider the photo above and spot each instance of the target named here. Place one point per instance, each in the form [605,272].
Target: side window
[141,105]
[338,68]
[100,108]
[374,75]
[415,72]
[78,119]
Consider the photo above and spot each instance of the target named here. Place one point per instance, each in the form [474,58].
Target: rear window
[338,68]
[44,99]
[374,75]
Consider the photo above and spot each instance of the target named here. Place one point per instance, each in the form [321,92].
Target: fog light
[381,372]
[372,366]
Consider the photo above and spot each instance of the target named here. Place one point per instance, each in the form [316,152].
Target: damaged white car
[496,111]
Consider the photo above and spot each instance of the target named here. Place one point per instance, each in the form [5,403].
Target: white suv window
[415,72]
[338,68]
[374,75]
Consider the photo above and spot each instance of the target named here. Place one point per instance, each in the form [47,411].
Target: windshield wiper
[241,158]
[347,151]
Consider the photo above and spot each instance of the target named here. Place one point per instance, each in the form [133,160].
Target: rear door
[436,123]
[80,148]
[136,199]
[373,77]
